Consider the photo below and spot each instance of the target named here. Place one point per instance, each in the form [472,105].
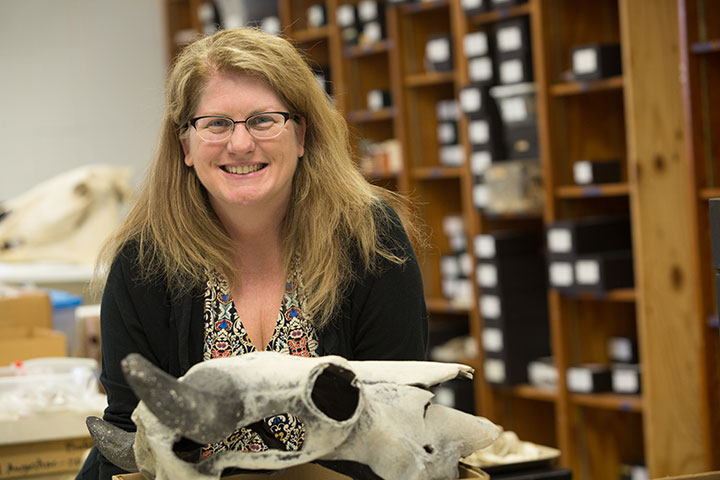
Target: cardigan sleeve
[134,317]
[388,313]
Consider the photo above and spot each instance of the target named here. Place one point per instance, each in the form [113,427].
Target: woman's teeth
[243,169]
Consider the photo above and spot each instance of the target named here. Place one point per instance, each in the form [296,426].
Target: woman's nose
[241,140]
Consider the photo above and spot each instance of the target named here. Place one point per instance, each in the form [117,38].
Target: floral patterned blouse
[225,336]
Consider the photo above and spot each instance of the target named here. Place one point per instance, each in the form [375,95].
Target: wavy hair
[335,217]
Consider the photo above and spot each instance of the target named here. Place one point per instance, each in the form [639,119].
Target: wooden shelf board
[443,305]
[429,79]
[577,88]
[430,173]
[363,116]
[709,46]
[377,176]
[363,50]
[608,401]
[708,193]
[311,34]
[500,14]
[617,295]
[411,8]
[532,392]
[599,190]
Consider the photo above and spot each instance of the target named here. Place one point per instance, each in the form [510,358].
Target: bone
[113,442]
[201,416]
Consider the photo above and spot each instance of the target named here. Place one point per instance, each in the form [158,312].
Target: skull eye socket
[334,394]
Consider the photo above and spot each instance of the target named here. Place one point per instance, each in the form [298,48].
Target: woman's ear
[186,151]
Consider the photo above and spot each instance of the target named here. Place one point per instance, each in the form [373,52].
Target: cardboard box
[23,343]
[308,471]
[24,307]
[41,458]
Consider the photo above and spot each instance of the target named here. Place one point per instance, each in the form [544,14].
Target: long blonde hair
[335,216]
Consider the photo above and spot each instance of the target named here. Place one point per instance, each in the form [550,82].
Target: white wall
[81,82]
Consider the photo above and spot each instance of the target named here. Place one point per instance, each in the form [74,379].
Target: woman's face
[244,171]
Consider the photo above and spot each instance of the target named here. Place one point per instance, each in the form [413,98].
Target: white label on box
[513,109]
[587,272]
[625,380]
[458,242]
[561,274]
[449,287]
[316,15]
[447,110]
[479,132]
[509,39]
[480,161]
[511,71]
[446,132]
[480,69]
[490,306]
[453,225]
[345,15]
[444,396]
[471,4]
[620,349]
[372,32]
[471,100]
[375,100]
[579,380]
[438,50]
[485,246]
[481,195]
[541,374]
[582,172]
[463,293]
[452,155]
[584,60]
[449,266]
[475,44]
[466,264]
[492,339]
[494,370]
[559,240]
[639,472]
[487,275]
[367,10]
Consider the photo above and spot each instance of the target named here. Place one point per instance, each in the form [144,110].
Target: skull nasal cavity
[334,394]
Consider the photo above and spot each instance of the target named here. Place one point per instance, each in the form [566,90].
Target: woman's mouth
[244,169]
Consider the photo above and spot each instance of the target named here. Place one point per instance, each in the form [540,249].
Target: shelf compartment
[599,190]
[311,34]
[617,295]
[578,88]
[383,46]
[429,79]
[443,305]
[430,173]
[500,14]
[608,401]
[710,46]
[364,116]
[708,193]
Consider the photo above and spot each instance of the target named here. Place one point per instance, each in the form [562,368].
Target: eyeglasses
[263,125]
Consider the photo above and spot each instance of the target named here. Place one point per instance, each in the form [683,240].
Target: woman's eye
[262,121]
[217,123]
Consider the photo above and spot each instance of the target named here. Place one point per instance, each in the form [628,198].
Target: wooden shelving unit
[661,126]
[699,46]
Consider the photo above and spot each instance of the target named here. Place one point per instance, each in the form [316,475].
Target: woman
[254,231]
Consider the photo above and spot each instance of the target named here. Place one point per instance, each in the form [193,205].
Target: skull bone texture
[374,414]
[65,218]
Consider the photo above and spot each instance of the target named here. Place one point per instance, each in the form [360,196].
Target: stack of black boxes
[513,304]
[456,267]
[451,152]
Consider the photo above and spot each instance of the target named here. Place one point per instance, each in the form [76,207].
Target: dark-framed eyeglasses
[263,125]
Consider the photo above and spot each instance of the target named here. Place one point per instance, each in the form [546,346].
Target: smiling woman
[255,231]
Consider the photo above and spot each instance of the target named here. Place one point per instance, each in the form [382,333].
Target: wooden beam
[669,319]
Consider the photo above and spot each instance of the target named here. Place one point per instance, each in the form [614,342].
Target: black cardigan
[383,317]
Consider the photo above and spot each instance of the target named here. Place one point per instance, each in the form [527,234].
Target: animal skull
[65,218]
[376,413]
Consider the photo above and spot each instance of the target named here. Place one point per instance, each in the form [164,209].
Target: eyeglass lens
[261,125]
